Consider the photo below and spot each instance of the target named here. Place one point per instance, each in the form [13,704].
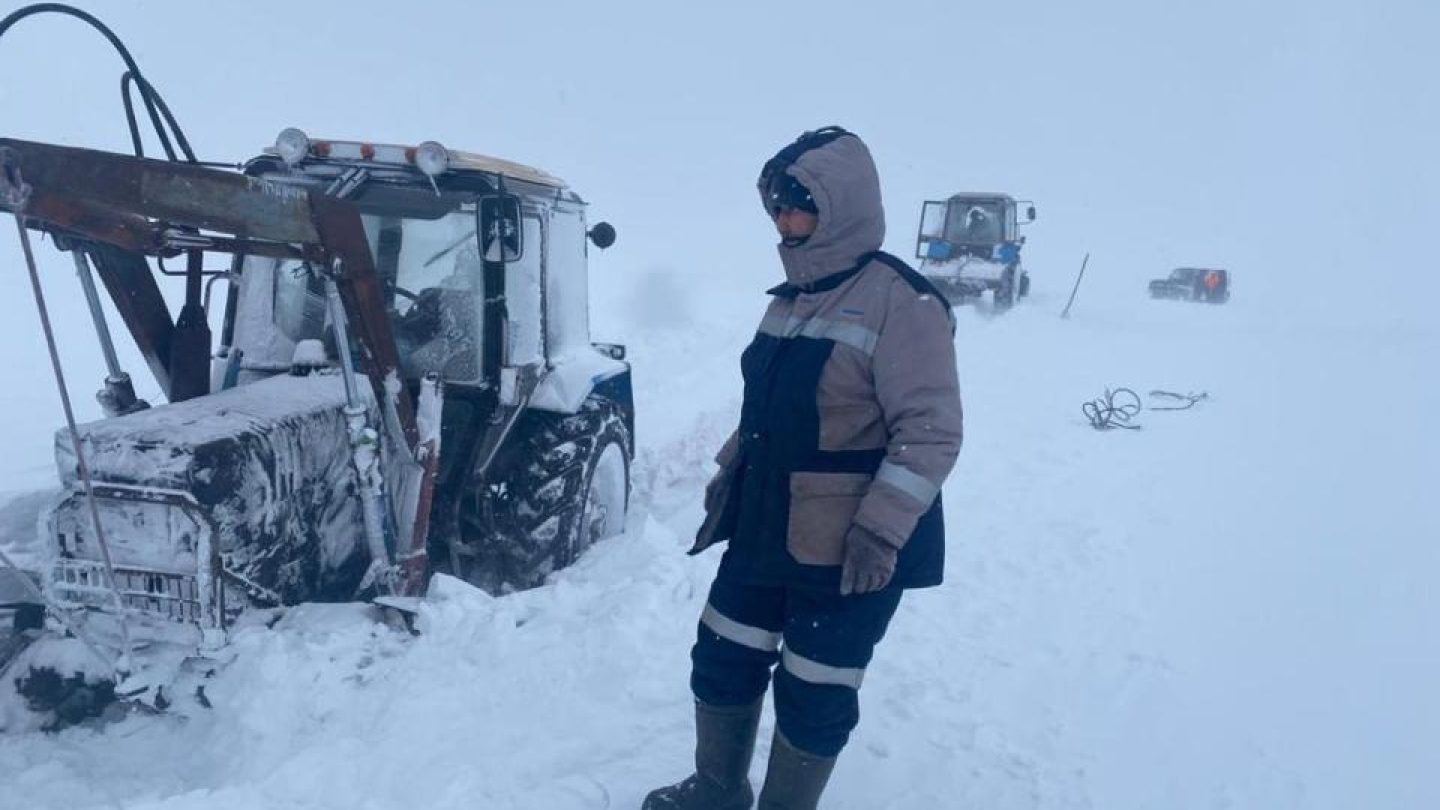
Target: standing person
[828,492]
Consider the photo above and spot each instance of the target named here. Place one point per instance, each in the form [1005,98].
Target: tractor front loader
[177,516]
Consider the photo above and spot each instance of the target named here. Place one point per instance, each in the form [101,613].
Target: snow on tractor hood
[269,465]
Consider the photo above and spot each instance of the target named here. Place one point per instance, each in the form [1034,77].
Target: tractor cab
[969,243]
[482,269]
[969,224]
[460,306]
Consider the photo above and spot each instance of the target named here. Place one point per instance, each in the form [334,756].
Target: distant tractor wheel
[1003,294]
[1024,284]
[561,486]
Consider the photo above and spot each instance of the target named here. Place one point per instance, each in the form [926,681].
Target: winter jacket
[851,411]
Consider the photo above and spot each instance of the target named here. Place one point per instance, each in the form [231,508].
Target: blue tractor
[969,244]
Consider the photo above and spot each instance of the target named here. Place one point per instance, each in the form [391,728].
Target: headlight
[432,158]
[292,145]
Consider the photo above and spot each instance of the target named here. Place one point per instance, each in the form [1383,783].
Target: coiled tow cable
[1184,402]
[1119,406]
[1113,410]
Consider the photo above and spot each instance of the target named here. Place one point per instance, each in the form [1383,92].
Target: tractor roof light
[432,158]
[292,145]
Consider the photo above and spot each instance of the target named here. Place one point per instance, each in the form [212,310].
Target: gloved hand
[869,562]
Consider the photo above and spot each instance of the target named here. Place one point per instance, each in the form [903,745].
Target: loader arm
[135,207]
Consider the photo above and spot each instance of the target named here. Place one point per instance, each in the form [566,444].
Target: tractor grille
[171,597]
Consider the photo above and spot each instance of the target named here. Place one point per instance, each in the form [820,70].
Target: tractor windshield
[975,222]
[431,275]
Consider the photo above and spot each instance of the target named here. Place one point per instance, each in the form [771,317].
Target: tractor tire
[561,485]
[1000,296]
[66,700]
[1024,284]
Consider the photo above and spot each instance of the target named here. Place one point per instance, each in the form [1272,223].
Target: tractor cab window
[975,222]
[299,300]
[432,277]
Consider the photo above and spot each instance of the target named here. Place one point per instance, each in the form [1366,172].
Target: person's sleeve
[917,387]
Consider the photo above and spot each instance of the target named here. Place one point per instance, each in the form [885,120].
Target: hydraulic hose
[155,106]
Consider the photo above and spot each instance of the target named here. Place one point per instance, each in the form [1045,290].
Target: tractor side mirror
[603,235]
[502,238]
[1030,213]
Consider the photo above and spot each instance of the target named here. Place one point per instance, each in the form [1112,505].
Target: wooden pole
[1078,279]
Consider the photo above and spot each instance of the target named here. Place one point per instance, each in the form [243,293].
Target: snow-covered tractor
[402,383]
[969,243]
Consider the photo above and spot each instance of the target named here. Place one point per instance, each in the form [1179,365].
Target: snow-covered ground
[1225,609]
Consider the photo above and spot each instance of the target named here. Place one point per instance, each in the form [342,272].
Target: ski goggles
[781,189]
[785,192]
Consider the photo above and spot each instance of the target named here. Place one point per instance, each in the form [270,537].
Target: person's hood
[841,177]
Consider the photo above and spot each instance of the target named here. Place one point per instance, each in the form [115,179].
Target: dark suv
[1210,285]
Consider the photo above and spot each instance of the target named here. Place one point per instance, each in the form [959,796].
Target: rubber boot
[724,744]
[795,779]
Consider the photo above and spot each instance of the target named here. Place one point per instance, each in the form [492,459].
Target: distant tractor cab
[969,243]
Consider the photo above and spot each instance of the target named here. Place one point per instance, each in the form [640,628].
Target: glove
[869,562]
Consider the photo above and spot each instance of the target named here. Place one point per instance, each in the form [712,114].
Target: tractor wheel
[1000,300]
[65,699]
[1024,284]
[561,485]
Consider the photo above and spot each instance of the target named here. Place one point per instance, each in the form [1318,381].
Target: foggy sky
[1289,141]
